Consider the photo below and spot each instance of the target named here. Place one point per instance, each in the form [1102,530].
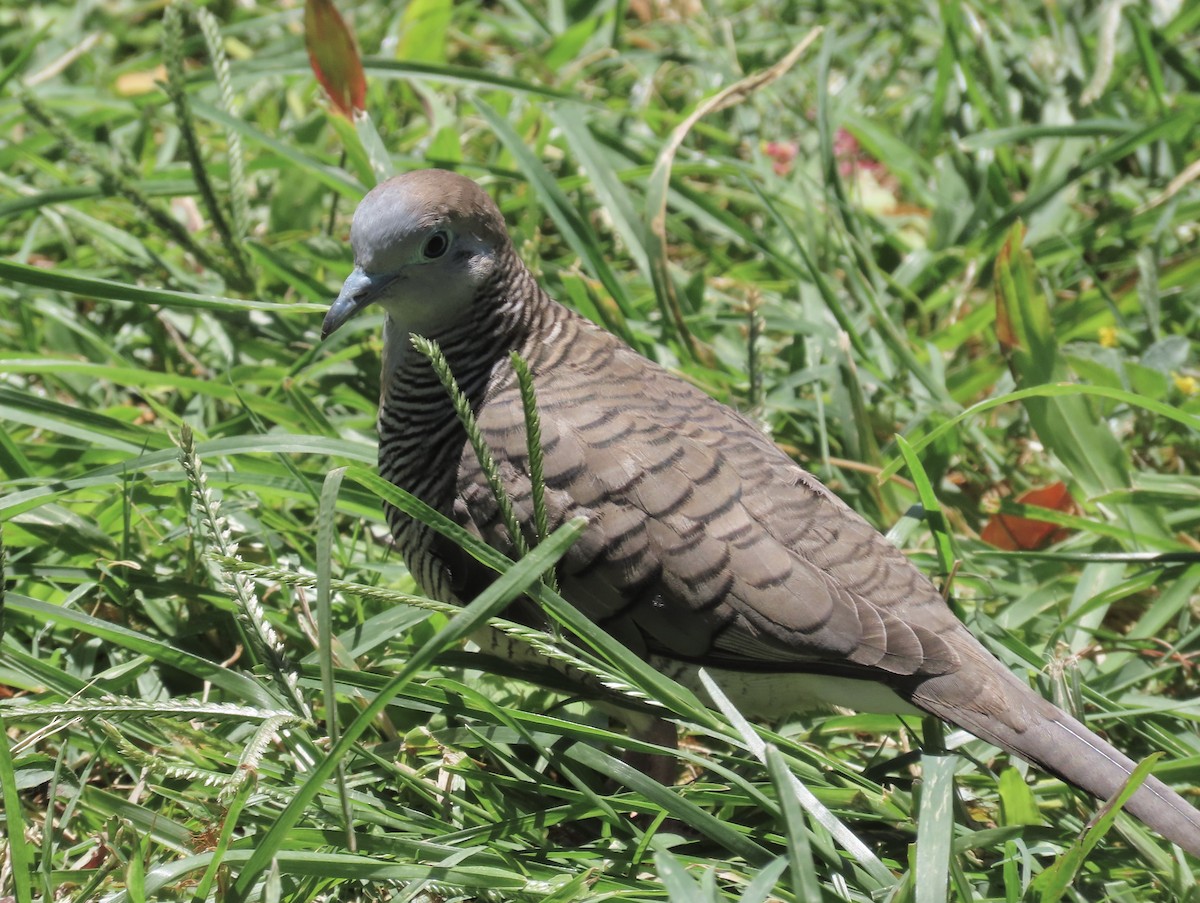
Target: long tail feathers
[1043,734]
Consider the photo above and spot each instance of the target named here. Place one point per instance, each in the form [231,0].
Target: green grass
[218,682]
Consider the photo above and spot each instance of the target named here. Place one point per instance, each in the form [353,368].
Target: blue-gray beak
[358,291]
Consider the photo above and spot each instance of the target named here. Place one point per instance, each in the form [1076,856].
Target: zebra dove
[705,545]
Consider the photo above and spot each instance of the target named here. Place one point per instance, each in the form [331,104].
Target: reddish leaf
[782,152]
[1013,533]
[97,859]
[334,57]
[1006,332]
[852,159]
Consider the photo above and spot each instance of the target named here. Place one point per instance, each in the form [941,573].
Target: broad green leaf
[1068,426]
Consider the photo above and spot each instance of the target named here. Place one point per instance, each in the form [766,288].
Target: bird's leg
[662,768]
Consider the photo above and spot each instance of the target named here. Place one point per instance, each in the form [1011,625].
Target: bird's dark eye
[436,245]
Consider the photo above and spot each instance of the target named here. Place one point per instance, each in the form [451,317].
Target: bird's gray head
[424,242]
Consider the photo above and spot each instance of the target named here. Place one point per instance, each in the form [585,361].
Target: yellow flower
[1188,385]
[1108,336]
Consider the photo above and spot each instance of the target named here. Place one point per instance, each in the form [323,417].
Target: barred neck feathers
[420,437]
